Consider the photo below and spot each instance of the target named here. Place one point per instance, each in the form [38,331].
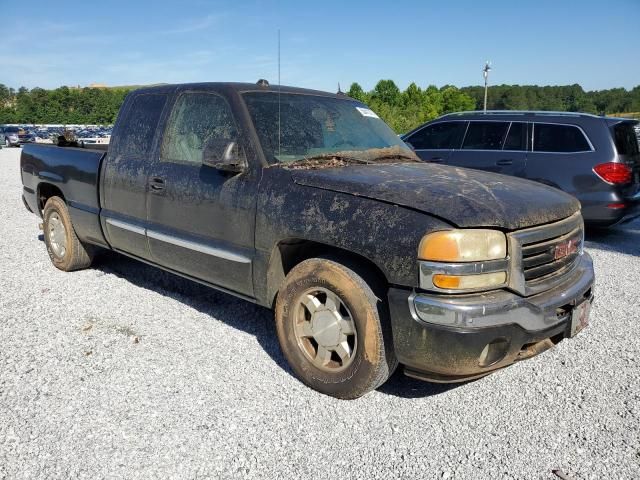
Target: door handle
[505,161]
[156,184]
[436,160]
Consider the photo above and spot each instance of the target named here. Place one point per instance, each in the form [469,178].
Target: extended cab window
[517,137]
[141,121]
[196,119]
[549,137]
[438,136]
[485,135]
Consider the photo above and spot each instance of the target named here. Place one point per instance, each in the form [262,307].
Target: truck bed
[74,173]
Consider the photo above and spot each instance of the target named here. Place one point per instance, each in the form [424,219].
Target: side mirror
[224,155]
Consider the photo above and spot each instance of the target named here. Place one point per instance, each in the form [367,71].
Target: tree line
[402,109]
[63,105]
[405,110]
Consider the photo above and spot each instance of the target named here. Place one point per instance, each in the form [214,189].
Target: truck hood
[463,197]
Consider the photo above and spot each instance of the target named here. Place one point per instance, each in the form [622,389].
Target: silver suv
[13,136]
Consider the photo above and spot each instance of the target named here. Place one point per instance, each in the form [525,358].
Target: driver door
[202,219]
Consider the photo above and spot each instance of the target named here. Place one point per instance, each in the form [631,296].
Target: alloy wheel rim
[325,330]
[57,235]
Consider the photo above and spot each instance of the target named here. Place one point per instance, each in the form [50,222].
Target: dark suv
[594,158]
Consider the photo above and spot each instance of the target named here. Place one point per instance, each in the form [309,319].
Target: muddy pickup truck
[307,203]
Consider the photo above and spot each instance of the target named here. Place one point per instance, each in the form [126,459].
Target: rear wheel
[333,329]
[65,249]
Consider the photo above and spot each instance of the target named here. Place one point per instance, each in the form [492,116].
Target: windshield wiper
[325,160]
[404,156]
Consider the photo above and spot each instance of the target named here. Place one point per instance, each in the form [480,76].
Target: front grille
[542,256]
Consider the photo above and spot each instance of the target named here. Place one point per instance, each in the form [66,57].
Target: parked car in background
[9,136]
[308,203]
[12,136]
[594,158]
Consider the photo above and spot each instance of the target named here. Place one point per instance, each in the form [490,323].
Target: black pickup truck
[306,202]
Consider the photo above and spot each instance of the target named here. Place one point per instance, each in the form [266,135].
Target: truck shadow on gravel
[239,314]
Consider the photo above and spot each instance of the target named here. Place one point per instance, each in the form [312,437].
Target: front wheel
[333,329]
[65,249]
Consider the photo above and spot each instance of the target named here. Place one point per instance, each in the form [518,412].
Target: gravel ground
[125,371]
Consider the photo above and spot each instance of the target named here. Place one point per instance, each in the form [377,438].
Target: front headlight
[463,246]
[463,260]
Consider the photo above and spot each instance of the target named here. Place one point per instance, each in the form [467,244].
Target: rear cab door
[125,171]
[494,146]
[436,141]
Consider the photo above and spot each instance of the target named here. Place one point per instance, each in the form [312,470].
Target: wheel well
[45,192]
[290,252]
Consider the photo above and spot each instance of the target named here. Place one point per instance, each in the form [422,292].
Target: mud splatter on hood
[465,198]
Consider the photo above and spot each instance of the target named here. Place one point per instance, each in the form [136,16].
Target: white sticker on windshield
[367,112]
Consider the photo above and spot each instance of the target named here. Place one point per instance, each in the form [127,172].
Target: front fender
[386,234]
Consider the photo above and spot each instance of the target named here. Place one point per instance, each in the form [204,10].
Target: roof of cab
[235,86]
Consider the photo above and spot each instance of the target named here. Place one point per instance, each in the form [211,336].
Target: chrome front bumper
[503,307]
[449,338]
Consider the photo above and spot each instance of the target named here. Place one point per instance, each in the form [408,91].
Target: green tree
[386,91]
[356,92]
[453,100]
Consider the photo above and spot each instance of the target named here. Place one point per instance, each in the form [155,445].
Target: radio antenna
[279,128]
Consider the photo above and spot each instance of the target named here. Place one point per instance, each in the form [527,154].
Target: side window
[196,119]
[558,138]
[517,137]
[140,122]
[441,135]
[485,135]
[626,139]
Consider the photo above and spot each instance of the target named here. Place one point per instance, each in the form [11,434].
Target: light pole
[485,74]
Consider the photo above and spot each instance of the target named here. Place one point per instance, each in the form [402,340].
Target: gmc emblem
[565,248]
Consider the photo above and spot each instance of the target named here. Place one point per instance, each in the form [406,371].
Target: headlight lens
[463,261]
[472,245]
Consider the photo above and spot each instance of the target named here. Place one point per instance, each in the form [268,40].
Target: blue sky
[593,43]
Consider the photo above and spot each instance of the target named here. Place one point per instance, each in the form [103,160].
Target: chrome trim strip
[198,247]
[544,232]
[429,269]
[126,226]
[470,150]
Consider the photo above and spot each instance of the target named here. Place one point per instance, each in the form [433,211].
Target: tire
[65,250]
[305,338]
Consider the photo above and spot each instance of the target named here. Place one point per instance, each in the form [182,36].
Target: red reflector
[614,172]
[616,206]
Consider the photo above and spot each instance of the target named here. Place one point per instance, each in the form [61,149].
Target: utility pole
[485,74]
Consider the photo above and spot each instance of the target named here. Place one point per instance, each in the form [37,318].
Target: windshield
[314,126]
[11,130]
